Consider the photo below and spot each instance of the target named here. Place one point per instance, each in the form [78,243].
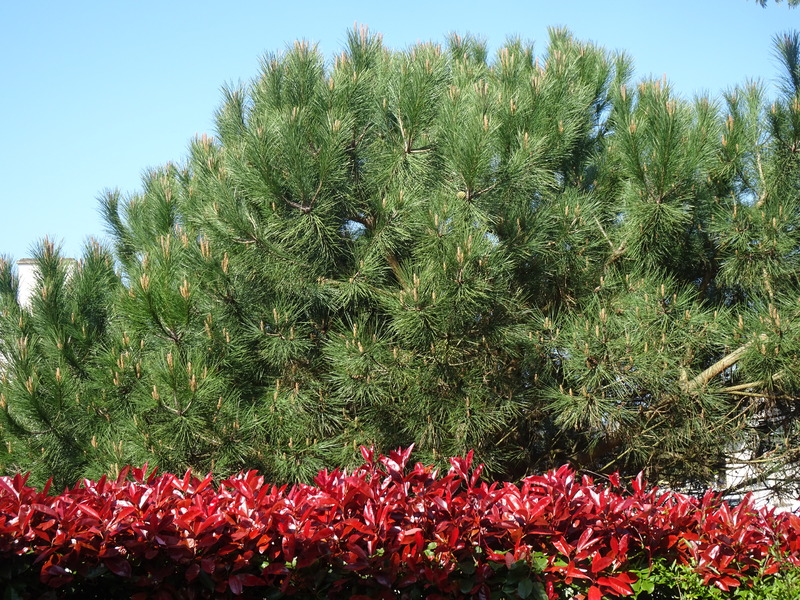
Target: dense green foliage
[529,256]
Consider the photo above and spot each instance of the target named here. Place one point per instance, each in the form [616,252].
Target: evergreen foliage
[532,257]
[791,3]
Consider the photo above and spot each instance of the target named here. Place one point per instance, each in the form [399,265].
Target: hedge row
[386,530]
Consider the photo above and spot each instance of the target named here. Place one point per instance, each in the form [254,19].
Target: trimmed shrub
[385,530]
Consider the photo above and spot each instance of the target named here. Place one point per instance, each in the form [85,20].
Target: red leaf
[250,580]
[118,566]
[601,562]
[235,585]
[211,522]
[407,536]
[208,565]
[725,583]
[770,570]
[90,511]
[638,484]
[619,583]
[585,542]
[563,547]
[7,487]
[43,508]
[368,454]
[275,569]
[203,484]
[574,572]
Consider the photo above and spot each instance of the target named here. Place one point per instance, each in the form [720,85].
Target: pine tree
[531,257]
[791,3]
[51,394]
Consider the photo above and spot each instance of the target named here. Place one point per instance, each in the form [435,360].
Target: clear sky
[94,93]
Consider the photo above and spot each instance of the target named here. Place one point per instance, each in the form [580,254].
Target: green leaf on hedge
[465,585]
[467,567]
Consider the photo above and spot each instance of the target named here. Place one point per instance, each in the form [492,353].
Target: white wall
[26,271]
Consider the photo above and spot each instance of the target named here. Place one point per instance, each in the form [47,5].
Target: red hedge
[383,531]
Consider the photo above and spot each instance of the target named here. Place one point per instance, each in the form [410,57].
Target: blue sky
[94,93]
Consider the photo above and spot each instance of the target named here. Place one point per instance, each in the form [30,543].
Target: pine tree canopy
[529,256]
[791,3]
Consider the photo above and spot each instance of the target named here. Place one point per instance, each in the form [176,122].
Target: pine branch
[752,384]
[618,253]
[691,387]
[395,266]
[763,195]
[305,208]
[605,235]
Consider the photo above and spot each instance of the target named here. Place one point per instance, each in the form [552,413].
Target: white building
[26,275]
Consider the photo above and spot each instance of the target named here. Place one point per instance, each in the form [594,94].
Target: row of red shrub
[383,531]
